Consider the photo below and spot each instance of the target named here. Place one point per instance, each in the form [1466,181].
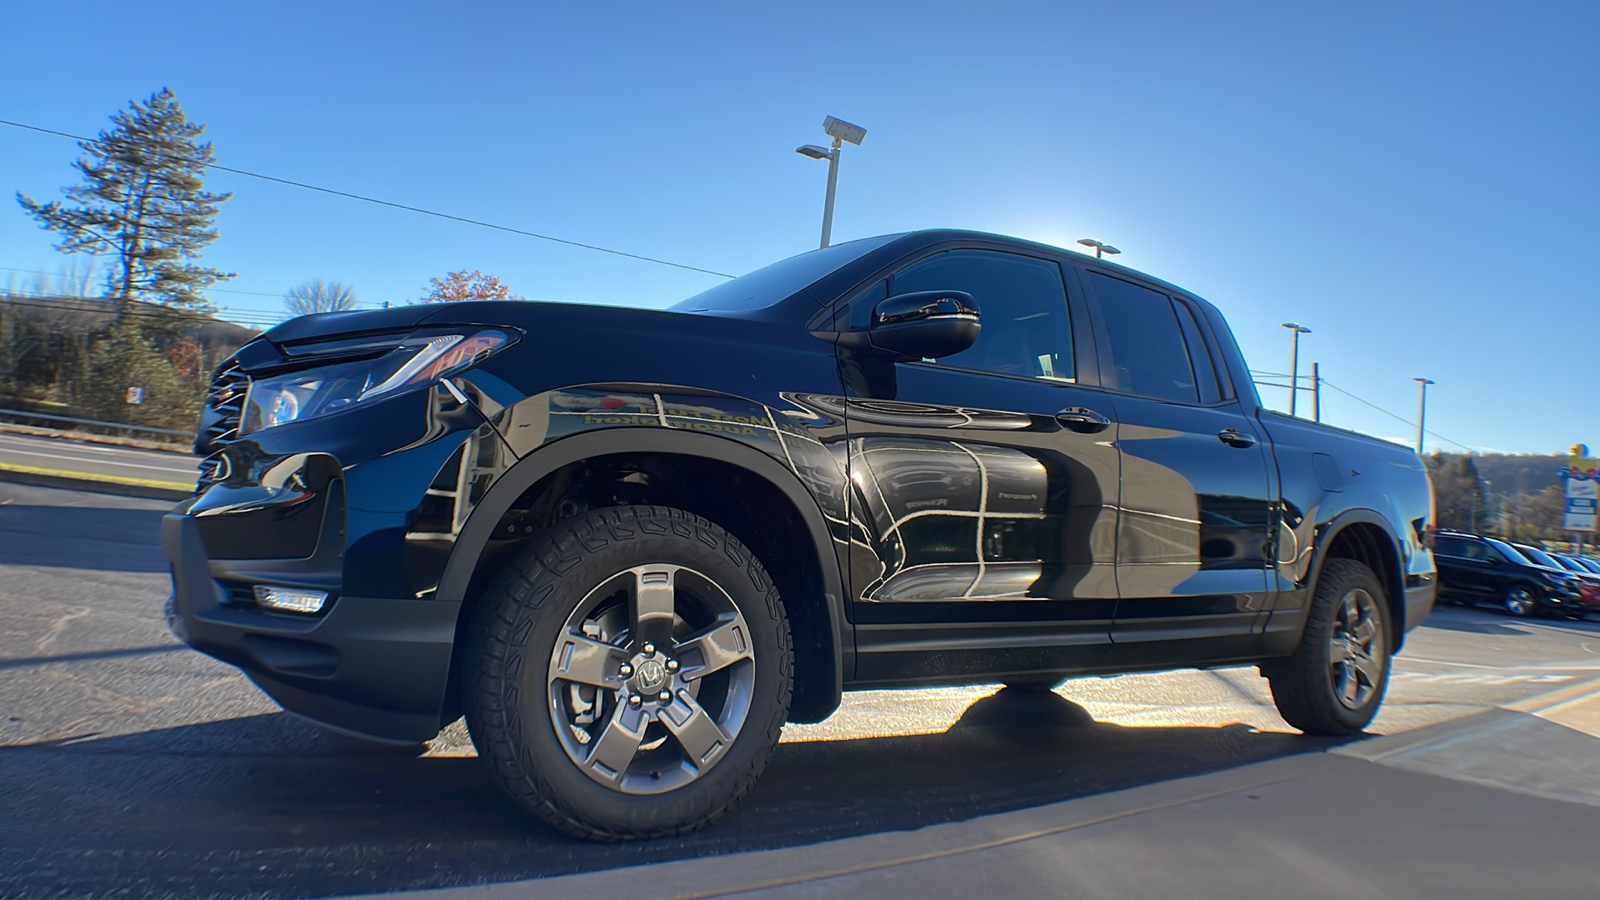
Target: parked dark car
[1588,579]
[1476,570]
[629,545]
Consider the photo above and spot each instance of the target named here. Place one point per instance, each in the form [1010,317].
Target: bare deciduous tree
[318,296]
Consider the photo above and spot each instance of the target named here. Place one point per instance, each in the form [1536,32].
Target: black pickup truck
[629,545]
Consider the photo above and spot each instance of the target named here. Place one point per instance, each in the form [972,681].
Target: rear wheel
[1520,600]
[1336,679]
[632,671]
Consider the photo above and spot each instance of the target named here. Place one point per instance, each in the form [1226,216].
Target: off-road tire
[512,636]
[1301,684]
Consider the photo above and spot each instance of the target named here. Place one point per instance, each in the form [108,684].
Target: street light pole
[833,187]
[1100,248]
[1422,408]
[1294,362]
[840,131]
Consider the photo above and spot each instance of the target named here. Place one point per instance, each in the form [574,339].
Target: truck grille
[219,420]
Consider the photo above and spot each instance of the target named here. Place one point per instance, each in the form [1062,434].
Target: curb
[737,874]
[100,484]
[807,867]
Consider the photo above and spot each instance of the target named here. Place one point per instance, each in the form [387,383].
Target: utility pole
[1316,394]
[1422,408]
[1294,362]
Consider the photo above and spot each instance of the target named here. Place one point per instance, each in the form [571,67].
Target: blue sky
[1416,182]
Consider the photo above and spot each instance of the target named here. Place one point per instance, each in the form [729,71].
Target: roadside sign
[136,395]
[1582,476]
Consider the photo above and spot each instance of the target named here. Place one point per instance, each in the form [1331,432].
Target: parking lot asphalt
[131,765]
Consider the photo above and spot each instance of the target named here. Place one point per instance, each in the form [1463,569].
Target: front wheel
[1520,600]
[1335,681]
[631,672]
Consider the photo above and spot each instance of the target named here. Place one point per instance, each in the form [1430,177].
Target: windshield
[1540,557]
[767,286]
[1568,562]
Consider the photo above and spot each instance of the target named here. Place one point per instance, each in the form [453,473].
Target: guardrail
[118,426]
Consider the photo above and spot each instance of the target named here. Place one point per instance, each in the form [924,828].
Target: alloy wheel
[1520,601]
[651,679]
[1356,645]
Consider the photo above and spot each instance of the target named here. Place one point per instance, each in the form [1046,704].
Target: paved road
[96,459]
[129,764]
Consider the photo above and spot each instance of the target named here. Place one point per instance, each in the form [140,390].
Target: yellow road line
[91,476]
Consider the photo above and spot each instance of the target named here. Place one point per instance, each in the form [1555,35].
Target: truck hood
[396,318]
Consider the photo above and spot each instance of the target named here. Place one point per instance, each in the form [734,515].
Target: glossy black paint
[928,524]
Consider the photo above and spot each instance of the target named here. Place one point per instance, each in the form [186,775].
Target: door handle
[1085,421]
[1233,437]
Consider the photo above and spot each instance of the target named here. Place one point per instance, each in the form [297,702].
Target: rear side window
[1459,548]
[1149,356]
[1205,371]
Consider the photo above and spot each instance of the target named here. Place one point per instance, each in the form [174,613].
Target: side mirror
[924,325]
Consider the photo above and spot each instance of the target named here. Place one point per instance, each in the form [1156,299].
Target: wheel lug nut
[666,697]
[649,649]
[672,665]
[626,671]
[633,700]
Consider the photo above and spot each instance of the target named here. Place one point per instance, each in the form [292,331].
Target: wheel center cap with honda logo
[650,677]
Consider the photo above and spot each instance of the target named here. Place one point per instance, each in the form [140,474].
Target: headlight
[416,361]
[1556,579]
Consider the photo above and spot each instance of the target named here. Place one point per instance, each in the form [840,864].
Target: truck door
[984,483]
[1193,536]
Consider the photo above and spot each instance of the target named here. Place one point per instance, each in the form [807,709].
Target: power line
[23,299]
[1395,416]
[402,206]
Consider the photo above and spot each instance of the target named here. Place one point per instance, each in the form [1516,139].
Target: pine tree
[143,202]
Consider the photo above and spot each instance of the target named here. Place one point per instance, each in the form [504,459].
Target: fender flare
[528,471]
[1395,584]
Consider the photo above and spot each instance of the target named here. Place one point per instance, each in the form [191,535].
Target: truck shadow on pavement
[269,805]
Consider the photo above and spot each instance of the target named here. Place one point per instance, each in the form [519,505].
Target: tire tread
[514,601]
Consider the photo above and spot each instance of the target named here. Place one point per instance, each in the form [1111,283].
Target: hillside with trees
[1507,495]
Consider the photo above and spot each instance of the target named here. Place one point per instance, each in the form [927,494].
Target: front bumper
[368,524]
[373,667]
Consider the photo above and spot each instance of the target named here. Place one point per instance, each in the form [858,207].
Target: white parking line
[1485,679]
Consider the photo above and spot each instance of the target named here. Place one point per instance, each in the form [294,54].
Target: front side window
[1021,301]
[1148,354]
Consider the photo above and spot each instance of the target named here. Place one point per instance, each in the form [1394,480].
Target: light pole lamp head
[1090,242]
[1297,328]
[813,151]
[1424,381]
[839,129]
